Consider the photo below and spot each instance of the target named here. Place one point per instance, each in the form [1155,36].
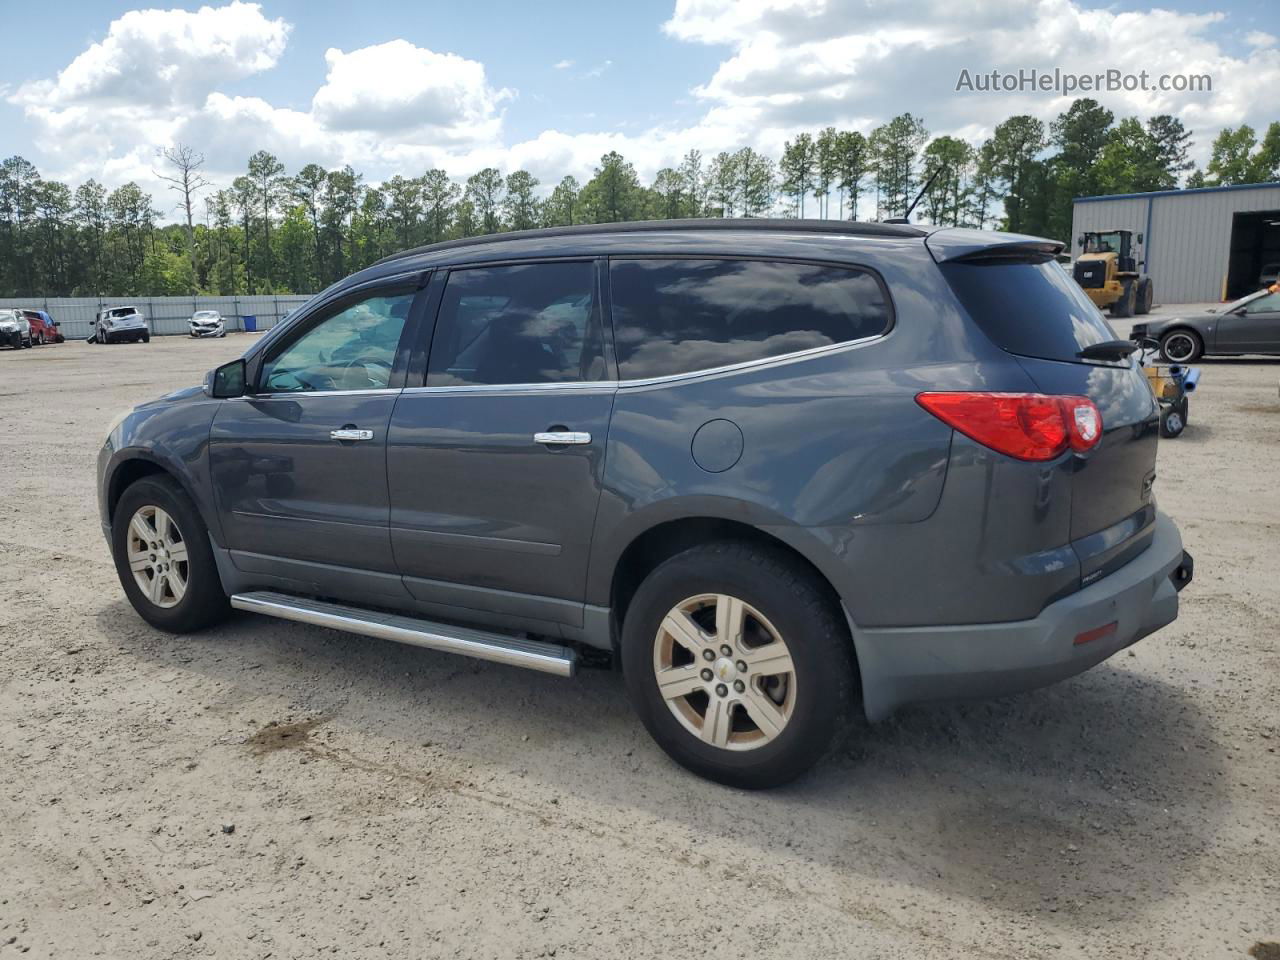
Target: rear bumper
[901,665]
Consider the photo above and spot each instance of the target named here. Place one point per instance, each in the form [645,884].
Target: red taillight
[1028,426]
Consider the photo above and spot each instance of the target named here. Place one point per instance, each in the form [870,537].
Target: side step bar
[481,644]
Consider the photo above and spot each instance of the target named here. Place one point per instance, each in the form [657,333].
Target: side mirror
[1139,238]
[227,380]
[1080,240]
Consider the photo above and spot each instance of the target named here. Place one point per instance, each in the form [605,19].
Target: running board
[481,644]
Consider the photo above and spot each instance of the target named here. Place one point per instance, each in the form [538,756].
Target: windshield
[1102,242]
[205,315]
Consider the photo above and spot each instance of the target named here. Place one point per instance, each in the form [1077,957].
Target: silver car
[15,329]
[207,323]
[117,324]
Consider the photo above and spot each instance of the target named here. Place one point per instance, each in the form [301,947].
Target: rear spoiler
[988,246]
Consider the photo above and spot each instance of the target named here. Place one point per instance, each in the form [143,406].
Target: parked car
[44,329]
[119,324]
[1248,325]
[15,329]
[207,323]
[769,466]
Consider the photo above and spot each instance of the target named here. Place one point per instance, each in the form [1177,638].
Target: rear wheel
[738,663]
[1181,346]
[1125,305]
[164,558]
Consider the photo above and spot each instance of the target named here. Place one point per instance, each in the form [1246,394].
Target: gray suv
[771,467]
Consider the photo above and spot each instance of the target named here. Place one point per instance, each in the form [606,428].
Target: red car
[44,329]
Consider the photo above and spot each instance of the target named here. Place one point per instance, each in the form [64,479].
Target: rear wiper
[1109,350]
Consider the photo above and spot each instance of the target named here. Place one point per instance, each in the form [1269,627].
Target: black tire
[27,344]
[1172,422]
[803,614]
[1180,340]
[1125,305]
[1146,296]
[203,604]
[146,338]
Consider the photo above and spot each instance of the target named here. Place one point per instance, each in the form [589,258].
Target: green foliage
[269,232]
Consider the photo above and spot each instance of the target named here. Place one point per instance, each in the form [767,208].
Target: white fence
[167,315]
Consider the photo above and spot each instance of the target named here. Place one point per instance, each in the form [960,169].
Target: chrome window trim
[752,364]
[292,395]
[654,381]
[574,386]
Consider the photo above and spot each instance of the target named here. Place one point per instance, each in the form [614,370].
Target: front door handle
[562,437]
[350,433]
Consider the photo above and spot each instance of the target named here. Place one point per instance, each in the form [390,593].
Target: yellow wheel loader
[1108,271]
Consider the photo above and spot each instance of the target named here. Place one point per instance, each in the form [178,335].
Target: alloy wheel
[1179,347]
[724,672]
[158,556]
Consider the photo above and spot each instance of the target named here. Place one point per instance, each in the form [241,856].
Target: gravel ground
[268,789]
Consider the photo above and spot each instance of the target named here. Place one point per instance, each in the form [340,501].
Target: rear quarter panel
[832,443]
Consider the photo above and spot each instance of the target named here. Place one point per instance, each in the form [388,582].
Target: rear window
[680,316]
[1031,309]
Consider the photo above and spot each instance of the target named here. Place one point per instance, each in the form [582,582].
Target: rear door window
[1029,308]
[681,316]
[518,324]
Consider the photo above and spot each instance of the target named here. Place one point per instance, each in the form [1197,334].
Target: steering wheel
[348,369]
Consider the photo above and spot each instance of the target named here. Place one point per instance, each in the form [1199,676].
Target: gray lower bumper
[901,665]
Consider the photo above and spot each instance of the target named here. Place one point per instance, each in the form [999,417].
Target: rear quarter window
[681,316]
[1028,308]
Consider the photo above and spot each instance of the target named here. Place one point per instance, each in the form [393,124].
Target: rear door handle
[350,433]
[562,437]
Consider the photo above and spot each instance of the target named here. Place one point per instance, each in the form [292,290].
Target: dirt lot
[273,790]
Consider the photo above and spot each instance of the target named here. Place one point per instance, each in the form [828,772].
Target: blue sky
[400,86]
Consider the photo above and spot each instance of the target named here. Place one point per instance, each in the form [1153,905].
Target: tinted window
[678,316]
[1031,309]
[1268,304]
[533,323]
[353,348]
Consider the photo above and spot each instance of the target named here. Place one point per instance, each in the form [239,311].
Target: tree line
[275,232]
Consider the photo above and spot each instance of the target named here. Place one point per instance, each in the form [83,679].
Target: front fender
[171,436]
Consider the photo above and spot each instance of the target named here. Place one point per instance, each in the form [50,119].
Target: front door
[495,462]
[299,464]
[1253,328]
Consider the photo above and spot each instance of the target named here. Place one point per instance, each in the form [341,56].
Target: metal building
[1202,245]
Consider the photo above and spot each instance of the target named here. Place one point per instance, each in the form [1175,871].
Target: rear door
[1032,309]
[1253,328]
[495,457]
[299,465]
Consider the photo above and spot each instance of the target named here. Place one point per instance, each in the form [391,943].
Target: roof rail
[841,227]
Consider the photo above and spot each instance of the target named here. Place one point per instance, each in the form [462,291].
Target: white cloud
[805,63]
[399,88]
[160,76]
[152,58]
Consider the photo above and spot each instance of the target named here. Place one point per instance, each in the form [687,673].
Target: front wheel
[738,662]
[1181,346]
[164,558]
[1172,421]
